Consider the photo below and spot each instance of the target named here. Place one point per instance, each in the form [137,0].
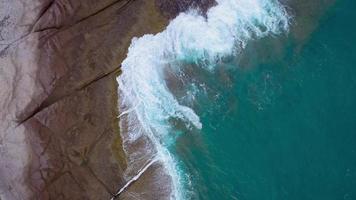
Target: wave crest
[145,99]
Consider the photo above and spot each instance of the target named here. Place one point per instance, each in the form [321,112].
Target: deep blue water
[281,128]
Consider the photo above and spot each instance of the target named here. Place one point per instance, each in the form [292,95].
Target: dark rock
[172,8]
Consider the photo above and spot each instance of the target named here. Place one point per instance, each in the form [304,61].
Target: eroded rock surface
[59,136]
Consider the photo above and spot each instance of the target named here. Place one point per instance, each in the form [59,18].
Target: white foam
[145,99]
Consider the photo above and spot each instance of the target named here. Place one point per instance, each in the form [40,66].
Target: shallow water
[237,107]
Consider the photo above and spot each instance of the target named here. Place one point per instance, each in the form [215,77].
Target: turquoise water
[277,128]
[255,101]
[164,76]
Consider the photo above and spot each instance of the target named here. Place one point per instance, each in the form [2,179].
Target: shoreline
[142,91]
[60,134]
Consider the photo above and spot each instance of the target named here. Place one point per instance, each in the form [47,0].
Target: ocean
[236,107]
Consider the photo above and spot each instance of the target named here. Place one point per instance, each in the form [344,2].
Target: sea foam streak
[145,100]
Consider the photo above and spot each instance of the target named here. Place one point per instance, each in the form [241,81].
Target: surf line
[135,178]
[148,104]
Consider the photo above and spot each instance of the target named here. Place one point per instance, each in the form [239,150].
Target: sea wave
[146,102]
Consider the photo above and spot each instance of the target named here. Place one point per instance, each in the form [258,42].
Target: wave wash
[147,104]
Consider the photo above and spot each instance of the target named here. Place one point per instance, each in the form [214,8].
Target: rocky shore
[59,129]
[59,135]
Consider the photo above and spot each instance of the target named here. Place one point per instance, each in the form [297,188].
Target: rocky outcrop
[59,136]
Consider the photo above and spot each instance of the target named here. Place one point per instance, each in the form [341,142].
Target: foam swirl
[145,99]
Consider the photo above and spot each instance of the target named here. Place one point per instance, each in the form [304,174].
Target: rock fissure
[42,13]
[60,28]
[50,101]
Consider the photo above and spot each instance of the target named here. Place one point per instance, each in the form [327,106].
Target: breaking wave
[146,103]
